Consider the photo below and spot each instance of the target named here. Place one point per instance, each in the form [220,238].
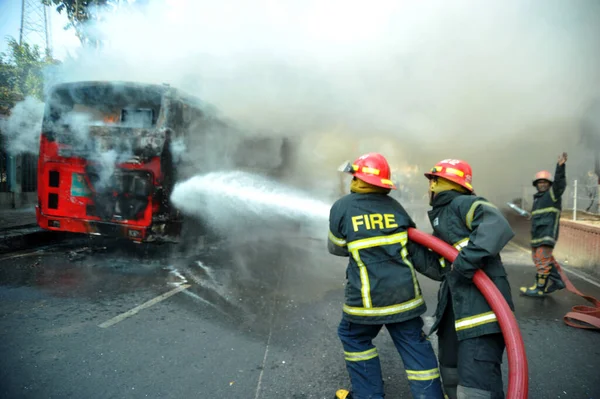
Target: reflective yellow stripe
[385,311]
[340,242]
[404,253]
[546,238]
[455,172]
[442,262]
[388,182]
[365,284]
[556,223]
[552,195]
[360,356]
[474,321]
[545,210]
[372,171]
[471,212]
[398,238]
[355,246]
[423,375]
[461,244]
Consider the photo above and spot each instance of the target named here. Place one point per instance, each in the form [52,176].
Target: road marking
[145,305]
[271,322]
[573,272]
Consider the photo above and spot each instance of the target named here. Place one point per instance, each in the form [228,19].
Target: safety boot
[538,289]
[343,394]
[555,281]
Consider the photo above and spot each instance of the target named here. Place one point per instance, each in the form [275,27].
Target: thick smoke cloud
[503,85]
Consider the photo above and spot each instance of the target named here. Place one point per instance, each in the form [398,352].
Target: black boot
[537,289]
[555,281]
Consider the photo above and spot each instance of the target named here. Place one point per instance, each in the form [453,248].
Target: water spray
[232,197]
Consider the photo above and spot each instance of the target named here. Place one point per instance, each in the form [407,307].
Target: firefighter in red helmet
[382,289]
[545,222]
[471,344]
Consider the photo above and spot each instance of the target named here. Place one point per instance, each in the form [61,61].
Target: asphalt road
[251,316]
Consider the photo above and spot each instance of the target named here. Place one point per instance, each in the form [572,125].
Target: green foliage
[78,13]
[21,73]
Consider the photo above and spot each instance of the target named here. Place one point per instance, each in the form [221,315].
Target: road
[250,316]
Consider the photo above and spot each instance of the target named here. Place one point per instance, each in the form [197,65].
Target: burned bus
[111,152]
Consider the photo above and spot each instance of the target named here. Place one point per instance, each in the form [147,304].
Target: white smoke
[23,127]
[503,85]
[108,161]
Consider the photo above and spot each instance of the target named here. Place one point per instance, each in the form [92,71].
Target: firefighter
[470,340]
[370,228]
[545,221]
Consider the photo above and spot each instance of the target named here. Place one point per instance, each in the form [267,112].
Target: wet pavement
[255,317]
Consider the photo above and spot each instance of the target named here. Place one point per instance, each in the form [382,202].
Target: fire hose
[581,316]
[518,376]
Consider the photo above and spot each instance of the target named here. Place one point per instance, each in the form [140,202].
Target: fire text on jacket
[374,221]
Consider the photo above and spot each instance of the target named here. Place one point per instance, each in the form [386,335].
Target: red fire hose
[515,348]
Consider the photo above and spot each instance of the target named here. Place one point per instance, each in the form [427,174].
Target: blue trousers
[362,359]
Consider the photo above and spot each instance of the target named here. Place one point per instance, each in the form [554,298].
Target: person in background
[545,223]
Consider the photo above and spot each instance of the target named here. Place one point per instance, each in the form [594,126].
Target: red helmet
[372,168]
[542,175]
[454,170]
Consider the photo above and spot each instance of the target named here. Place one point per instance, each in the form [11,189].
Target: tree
[79,12]
[21,73]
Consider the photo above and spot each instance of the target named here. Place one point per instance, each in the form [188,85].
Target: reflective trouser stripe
[423,375]
[361,356]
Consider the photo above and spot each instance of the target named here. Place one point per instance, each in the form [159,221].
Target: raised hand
[562,158]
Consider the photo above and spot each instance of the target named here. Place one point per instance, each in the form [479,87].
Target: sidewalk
[17,218]
[19,230]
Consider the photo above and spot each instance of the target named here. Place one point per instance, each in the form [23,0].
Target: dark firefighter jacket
[382,284]
[479,231]
[545,213]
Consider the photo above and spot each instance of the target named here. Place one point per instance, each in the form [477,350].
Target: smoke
[22,128]
[503,85]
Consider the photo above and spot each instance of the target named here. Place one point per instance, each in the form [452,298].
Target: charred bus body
[111,152]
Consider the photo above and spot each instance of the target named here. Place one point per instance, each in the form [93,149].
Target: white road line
[573,272]
[264,362]
[271,322]
[145,305]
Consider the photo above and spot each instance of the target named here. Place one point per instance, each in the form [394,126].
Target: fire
[114,118]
